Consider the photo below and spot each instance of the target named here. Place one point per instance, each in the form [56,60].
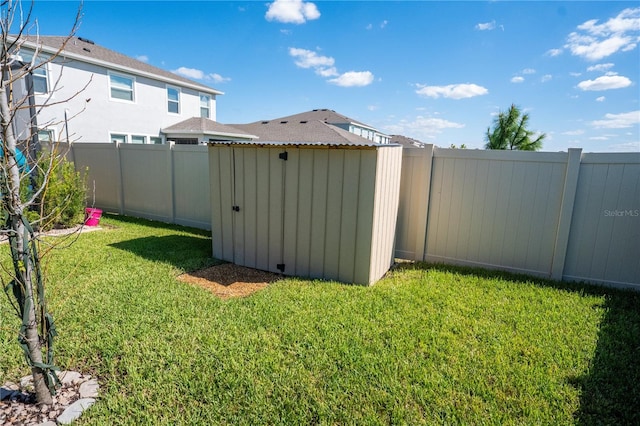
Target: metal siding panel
[250,207]
[388,175]
[334,213]
[226,202]
[263,174]
[366,212]
[305,212]
[239,187]
[291,206]
[319,212]
[349,215]
[276,214]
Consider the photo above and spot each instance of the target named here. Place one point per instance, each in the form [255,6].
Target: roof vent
[304,122]
[284,122]
[86,40]
[86,49]
[265,122]
[315,109]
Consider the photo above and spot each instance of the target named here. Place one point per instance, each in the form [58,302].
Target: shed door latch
[235,208]
[280,267]
[283,156]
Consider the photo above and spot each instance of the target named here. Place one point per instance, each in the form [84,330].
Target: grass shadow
[610,391]
[185,252]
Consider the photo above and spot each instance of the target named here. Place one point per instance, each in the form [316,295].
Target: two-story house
[95,94]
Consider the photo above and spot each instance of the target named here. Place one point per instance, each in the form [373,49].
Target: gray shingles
[95,53]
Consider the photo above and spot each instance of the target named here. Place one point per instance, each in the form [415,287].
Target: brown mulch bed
[229,280]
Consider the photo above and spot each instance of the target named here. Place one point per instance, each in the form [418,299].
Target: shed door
[258,207]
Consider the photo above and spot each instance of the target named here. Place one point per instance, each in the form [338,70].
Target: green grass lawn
[426,345]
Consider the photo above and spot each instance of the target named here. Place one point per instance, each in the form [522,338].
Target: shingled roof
[309,132]
[407,141]
[205,126]
[324,115]
[84,50]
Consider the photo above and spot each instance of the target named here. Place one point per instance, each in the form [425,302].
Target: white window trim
[47,72]
[133,89]
[126,135]
[54,133]
[168,86]
[208,105]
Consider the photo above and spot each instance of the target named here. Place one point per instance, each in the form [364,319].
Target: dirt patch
[229,280]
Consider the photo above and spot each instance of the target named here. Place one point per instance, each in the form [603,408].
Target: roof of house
[205,126]
[407,142]
[324,115]
[307,132]
[85,50]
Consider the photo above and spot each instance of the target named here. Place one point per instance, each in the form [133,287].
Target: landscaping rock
[75,410]
[19,403]
[89,389]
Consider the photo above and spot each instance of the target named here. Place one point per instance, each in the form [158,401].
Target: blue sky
[435,71]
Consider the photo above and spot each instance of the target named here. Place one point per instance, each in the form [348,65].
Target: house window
[121,87]
[205,108]
[138,139]
[40,80]
[173,100]
[117,138]
[45,135]
[156,140]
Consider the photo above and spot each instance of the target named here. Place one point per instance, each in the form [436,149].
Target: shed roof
[407,142]
[85,50]
[200,125]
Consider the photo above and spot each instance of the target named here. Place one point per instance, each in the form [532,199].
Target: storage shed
[312,210]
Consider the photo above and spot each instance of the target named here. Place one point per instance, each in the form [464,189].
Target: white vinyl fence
[169,183]
[566,215]
[569,216]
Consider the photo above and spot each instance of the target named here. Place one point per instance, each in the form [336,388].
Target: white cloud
[327,72]
[309,59]
[373,107]
[600,99]
[142,58]
[292,11]
[618,121]
[528,71]
[626,147]
[595,41]
[606,82]
[422,128]
[217,78]
[546,77]
[384,23]
[573,133]
[189,73]
[324,67]
[197,74]
[517,79]
[487,26]
[353,79]
[554,52]
[452,91]
[369,26]
[600,67]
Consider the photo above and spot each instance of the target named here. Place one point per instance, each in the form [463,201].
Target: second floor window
[173,100]
[121,87]
[205,109]
[40,80]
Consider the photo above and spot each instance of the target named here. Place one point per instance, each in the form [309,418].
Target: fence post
[566,212]
[120,178]
[172,183]
[423,199]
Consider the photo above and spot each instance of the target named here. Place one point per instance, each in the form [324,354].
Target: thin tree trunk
[24,268]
